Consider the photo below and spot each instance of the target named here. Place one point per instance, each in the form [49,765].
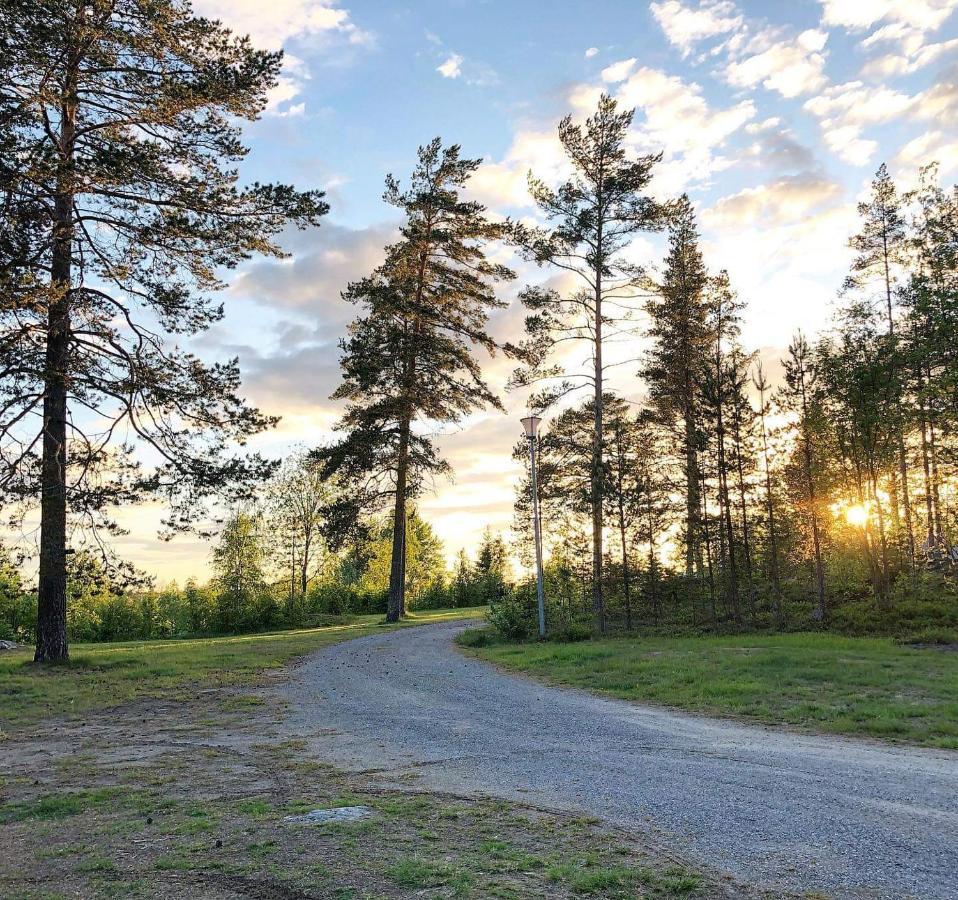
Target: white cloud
[857,104]
[677,116]
[592,51]
[685,26]
[892,64]
[618,71]
[504,184]
[847,143]
[784,200]
[792,66]
[926,15]
[285,19]
[288,86]
[452,67]
[844,110]
[933,145]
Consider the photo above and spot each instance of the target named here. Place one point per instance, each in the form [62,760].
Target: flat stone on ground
[336,814]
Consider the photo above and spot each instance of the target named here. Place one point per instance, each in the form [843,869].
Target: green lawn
[99,676]
[856,686]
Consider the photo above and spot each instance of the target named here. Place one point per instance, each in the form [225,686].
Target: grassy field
[854,686]
[99,676]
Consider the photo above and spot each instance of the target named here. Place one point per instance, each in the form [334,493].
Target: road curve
[785,811]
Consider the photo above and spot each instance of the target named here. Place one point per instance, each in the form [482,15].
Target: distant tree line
[273,568]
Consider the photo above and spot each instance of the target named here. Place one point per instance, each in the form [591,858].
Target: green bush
[514,617]
[476,637]
[570,633]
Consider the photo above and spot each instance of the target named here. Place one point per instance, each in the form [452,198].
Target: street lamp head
[531,425]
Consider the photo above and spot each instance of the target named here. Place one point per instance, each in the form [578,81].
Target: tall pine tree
[679,360]
[121,129]
[593,217]
[410,358]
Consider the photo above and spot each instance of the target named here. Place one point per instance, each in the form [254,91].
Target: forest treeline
[738,498]
[272,567]
[717,495]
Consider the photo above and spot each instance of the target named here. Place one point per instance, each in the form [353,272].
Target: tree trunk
[822,611]
[598,603]
[626,587]
[882,540]
[397,579]
[931,539]
[772,534]
[692,498]
[724,504]
[653,569]
[708,549]
[52,586]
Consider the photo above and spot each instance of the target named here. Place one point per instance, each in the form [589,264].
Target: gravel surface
[789,812]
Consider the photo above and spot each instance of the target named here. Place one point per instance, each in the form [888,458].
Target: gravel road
[785,811]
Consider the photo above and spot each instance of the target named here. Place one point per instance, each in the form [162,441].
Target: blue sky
[773,116]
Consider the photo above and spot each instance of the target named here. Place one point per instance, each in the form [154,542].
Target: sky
[773,116]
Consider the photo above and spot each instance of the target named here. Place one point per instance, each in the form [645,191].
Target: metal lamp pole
[531,425]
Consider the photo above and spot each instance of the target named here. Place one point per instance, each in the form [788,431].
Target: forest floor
[864,687]
[166,769]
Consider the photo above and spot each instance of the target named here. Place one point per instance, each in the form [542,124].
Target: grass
[100,676]
[482,848]
[868,687]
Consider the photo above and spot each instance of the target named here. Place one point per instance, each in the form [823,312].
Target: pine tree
[594,215]
[678,361]
[797,398]
[761,383]
[121,134]
[880,247]
[931,304]
[410,357]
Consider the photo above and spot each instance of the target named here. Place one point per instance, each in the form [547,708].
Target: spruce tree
[121,138]
[678,361]
[591,218]
[410,358]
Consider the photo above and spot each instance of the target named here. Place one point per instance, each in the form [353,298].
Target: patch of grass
[51,807]
[870,687]
[101,676]
[97,865]
[589,876]
[418,872]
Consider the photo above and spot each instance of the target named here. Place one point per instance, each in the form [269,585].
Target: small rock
[9,645]
[337,814]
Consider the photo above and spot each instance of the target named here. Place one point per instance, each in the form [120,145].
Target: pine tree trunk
[397,579]
[882,539]
[822,611]
[598,604]
[772,535]
[653,573]
[626,586]
[726,512]
[692,499]
[926,469]
[708,549]
[52,585]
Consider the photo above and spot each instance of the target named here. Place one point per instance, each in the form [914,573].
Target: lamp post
[531,425]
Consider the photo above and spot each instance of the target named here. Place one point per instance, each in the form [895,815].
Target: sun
[857,514]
